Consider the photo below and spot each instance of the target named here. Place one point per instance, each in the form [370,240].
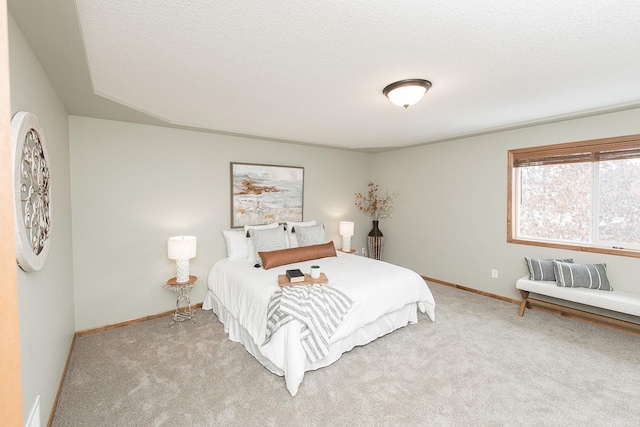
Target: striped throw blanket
[320,309]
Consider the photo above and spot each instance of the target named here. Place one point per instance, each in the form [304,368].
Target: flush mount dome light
[406,92]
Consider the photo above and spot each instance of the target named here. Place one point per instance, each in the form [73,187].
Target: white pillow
[267,240]
[293,240]
[251,258]
[237,245]
[311,235]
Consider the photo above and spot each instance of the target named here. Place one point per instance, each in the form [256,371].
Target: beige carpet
[478,364]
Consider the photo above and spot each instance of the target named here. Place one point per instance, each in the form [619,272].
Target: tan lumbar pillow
[304,253]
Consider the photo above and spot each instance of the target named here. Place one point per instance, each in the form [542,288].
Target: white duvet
[239,294]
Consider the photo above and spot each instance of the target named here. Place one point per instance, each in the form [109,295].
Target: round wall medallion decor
[32,191]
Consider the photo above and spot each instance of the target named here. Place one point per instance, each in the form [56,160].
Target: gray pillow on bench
[542,269]
[591,276]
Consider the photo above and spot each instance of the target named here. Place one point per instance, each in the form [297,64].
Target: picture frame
[263,194]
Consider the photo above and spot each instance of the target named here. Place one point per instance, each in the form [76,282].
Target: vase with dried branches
[377,207]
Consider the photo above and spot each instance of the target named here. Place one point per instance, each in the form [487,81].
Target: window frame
[592,150]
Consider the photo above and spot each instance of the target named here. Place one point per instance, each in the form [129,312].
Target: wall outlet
[494,273]
[364,251]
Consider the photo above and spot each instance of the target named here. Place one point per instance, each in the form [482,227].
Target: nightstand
[182,291]
[351,251]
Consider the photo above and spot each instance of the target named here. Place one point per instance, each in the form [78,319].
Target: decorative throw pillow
[293,239]
[591,276]
[237,246]
[310,235]
[251,258]
[542,269]
[267,240]
[291,255]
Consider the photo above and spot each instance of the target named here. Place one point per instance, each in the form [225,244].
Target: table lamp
[182,249]
[346,231]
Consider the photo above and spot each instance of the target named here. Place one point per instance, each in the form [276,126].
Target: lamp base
[346,243]
[182,270]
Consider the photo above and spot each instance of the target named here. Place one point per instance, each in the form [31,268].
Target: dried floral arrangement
[377,207]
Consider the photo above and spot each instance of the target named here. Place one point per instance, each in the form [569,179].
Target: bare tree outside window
[556,202]
[582,195]
[619,219]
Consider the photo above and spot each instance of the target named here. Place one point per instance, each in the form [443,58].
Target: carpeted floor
[478,364]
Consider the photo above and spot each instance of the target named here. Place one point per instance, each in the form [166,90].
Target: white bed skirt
[284,354]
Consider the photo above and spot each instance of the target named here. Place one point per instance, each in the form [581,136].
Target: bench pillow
[591,276]
[542,269]
[303,253]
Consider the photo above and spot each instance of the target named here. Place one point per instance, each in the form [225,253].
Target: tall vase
[375,241]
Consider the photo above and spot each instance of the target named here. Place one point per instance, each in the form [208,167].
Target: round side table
[182,290]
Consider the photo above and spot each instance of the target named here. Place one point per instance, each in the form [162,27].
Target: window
[581,195]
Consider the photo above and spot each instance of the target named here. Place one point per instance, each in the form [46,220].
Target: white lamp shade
[406,96]
[181,247]
[346,228]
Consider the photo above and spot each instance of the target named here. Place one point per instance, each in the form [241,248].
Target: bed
[385,297]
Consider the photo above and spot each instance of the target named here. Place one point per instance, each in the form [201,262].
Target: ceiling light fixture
[406,92]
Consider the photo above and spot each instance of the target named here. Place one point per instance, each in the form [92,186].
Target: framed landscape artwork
[262,194]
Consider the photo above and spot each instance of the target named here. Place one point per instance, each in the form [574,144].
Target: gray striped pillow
[591,276]
[542,269]
[268,240]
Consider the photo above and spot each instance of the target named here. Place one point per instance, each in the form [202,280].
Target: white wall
[451,218]
[46,300]
[134,186]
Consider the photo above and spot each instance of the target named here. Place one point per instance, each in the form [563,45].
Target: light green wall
[134,186]
[450,223]
[130,187]
[46,300]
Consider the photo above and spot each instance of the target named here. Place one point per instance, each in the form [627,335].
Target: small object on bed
[295,275]
[308,280]
[315,271]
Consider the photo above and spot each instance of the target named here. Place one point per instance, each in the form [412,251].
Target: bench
[618,301]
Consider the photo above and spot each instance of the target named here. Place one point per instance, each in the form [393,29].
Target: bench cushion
[622,302]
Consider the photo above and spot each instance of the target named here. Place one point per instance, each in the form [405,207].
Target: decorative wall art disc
[32,191]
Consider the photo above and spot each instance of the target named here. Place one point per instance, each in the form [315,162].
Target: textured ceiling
[313,71]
